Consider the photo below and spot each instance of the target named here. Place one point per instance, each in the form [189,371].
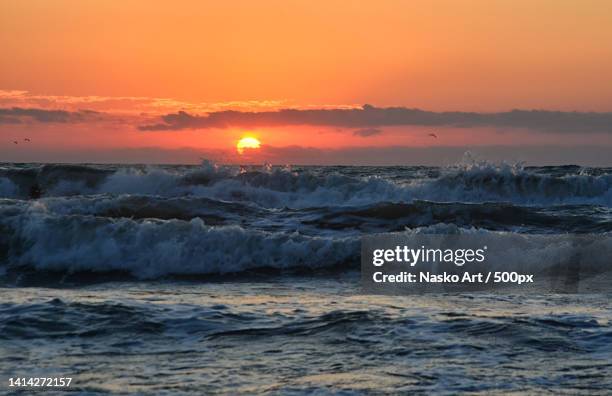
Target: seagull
[27,140]
[433,135]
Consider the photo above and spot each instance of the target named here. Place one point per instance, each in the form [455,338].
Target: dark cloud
[365,121]
[365,132]
[369,117]
[16,115]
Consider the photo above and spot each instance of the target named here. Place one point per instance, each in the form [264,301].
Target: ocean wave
[57,319]
[308,188]
[142,207]
[128,328]
[388,216]
[487,182]
[155,248]
[52,179]
[36,240]
[377,217]
[8,189]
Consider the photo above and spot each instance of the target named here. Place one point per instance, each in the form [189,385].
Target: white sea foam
[153,248]
[281,188]
[278,188]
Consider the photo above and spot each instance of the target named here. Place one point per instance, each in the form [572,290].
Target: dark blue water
[178,280]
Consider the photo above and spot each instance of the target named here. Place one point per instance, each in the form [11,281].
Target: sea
[210,279]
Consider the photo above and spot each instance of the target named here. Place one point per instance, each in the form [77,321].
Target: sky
[317,82]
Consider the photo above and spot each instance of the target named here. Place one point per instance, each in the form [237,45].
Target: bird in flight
[27,140]
[433,135]
[15,141]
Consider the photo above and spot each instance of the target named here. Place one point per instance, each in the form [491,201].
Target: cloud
[368,117]
[365,132]
[17,115]
[365,121]
[125,104]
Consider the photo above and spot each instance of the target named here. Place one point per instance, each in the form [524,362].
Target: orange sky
[155,58]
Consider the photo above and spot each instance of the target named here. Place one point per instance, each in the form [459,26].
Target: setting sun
[247,142]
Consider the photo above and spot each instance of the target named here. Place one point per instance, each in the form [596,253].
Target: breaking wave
[152,248]
[151,222]
[305,188]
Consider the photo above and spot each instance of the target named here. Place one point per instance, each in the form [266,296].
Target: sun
[247,142]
